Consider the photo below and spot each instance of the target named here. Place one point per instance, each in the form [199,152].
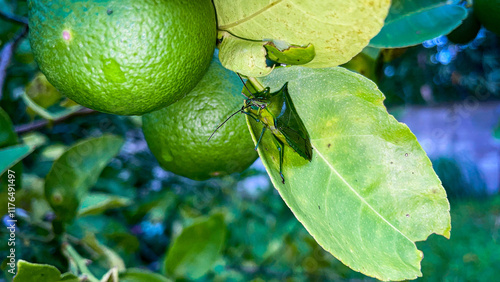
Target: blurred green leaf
[364,65]
[96,203]
[411,22]
[97,224]
[68,277]
[12,155]
[41,92]
[140,275]
[111,257]
[196,249]
[370,190]
[8,137]
[496,131]
[110,276]
[329,27]
[7,134]
[76,171]
[34,139]
[30,272]
[46,114]
[53,151]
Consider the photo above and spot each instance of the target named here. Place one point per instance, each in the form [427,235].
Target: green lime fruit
[177,135]
[123,57]
[488,13]
[467,31]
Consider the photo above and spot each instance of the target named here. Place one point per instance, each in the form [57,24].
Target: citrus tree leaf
[46,114]
[290,55]
[68,277]
[139,275]
[328,25]
[197,248]
[112,258]
[411,22]
[77,170]
[7,135]
[370,191]
[12,155]
[243,56]
[97,203]
[31,272]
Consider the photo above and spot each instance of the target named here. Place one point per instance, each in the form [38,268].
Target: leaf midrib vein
[240,21]
[357,194]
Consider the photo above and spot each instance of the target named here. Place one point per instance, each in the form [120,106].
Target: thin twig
[14,18]
[37,124]
[6,55]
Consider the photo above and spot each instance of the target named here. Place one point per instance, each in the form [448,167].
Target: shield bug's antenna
[244,84]
[233,114]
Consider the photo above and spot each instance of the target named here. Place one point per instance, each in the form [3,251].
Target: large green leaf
[370,191]
[411,22]
[76,171]
[328,25]
[12,155]
[197,248]
[30,272]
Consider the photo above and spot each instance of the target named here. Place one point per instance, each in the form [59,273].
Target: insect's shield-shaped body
[278,114]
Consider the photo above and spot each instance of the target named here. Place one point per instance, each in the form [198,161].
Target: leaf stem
[80,262]
[23,128]
[256,84]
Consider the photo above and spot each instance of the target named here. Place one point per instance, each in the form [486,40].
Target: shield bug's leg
[279,144]
[256,118]
[260,138]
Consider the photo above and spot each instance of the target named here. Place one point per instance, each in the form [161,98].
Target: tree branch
[6,55]
[37,124]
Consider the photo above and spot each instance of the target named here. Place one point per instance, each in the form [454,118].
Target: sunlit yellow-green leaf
[337,29]
[244,57]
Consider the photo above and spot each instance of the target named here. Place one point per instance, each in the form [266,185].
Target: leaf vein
[233,24]
[357,194]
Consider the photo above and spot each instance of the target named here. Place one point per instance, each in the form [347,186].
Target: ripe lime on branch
[177,135]
[123,57]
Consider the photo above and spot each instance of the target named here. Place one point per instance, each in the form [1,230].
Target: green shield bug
[277,113]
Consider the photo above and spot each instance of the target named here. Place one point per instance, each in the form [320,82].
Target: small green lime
[177,135]
[123,56]
[488,13]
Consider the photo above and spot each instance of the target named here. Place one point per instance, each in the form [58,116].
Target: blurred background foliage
[136,211]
